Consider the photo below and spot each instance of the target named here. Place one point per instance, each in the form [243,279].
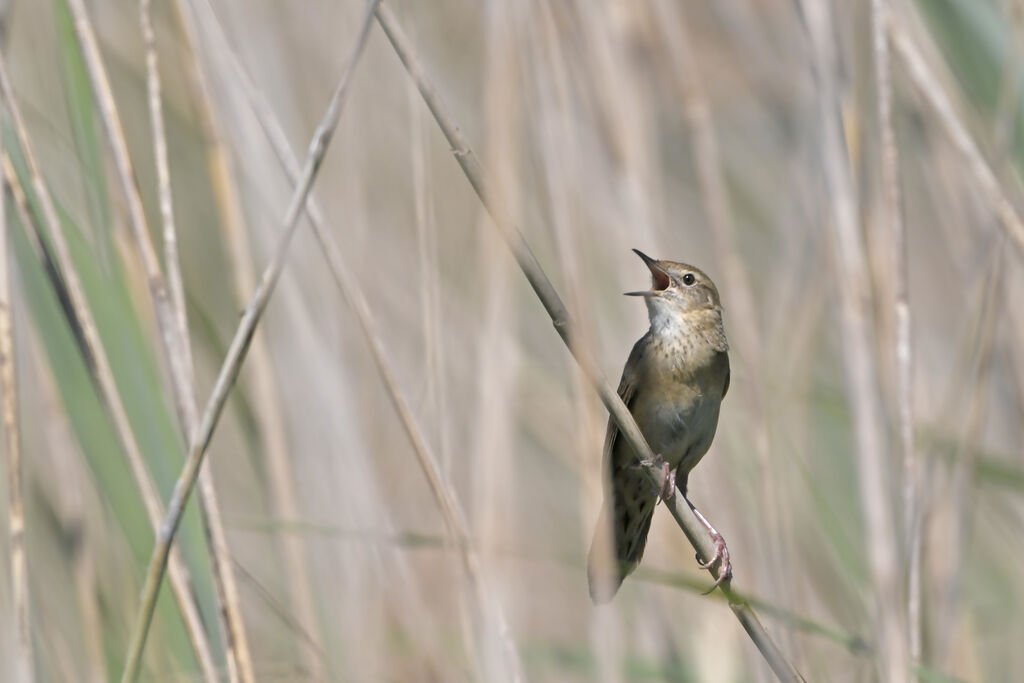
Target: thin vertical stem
[136,215]
[239,659]
[902,342]
[430,286]
[172,263]
[15,493]
[860,364]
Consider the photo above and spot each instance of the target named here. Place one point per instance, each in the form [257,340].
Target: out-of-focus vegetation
[583,114]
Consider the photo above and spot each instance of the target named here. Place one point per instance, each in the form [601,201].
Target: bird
[673,384]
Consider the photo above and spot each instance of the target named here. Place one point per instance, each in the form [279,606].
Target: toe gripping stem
[668,486]
[721,554]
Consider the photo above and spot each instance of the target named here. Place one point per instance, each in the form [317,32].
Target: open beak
[659,278]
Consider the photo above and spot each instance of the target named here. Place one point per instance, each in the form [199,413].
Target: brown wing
[621,533]
[627,392]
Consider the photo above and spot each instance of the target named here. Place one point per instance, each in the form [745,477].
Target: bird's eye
[689,279]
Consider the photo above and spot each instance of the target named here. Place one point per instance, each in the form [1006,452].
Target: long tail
[621,535]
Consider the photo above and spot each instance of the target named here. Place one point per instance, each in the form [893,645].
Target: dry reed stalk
[495,484]
[87,592]
[270,420]
[167,320]
[932,87]
[99,365]
[239,657]
[860,364]
[430,287]
[24,665]
[681,511]
[933,90]
[171,317]
[902,343]
[1007,106]
[175,286]
[236,355]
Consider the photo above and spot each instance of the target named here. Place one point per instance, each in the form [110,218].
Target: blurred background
[690,130]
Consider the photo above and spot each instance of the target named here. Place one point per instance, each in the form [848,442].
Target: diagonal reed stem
[552,303]
[934,92]
[447,502]
[264,392]
[236,355]
[445,497]
[99,366]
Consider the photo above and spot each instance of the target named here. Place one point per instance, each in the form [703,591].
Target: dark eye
[689,279]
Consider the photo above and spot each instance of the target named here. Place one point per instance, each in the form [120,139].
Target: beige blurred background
[690,130]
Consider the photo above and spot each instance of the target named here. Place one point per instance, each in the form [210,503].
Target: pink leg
[721,551]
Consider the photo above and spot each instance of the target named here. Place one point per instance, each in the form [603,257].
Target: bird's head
[678,291]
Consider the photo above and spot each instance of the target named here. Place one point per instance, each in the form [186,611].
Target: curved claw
[721,555]
[718,582]
[668,489]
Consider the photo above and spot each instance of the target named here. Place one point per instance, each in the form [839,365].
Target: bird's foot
[721,555]
[668,487]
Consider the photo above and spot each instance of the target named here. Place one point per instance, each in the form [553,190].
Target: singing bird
[673,384]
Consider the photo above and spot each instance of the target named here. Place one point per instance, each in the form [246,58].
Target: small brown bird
[673,384]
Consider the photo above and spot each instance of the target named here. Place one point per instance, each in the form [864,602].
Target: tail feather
[619,540]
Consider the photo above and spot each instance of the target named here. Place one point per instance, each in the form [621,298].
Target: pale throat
[668,321]
[687,337]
